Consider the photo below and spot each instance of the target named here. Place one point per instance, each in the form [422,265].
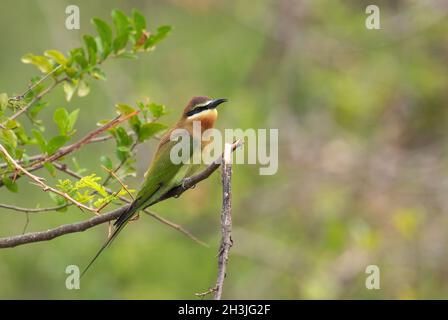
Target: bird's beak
[215,103]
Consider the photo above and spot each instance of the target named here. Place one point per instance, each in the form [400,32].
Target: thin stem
[31,210]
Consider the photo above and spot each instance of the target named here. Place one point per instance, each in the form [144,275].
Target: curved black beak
[215,103]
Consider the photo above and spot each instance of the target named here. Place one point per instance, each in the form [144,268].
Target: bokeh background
[362,118]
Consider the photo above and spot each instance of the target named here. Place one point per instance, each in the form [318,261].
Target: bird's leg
[136,217]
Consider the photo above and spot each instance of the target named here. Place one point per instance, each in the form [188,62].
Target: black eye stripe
[196,110]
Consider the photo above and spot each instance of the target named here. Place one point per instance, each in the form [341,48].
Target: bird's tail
[119,225]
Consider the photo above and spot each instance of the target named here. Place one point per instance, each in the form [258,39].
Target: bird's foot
[186,183]
[135,218]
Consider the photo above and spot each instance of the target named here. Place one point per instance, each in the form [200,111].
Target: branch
[226,224]
[13,241]
[37,97]
[10,242]
[41,156]
[31,210]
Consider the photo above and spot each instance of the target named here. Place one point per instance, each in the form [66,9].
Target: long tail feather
[119,225]
[105,245]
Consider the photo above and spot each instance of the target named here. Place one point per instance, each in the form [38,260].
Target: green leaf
[127,55]
[106,162]
[59,200]
[34,110]
[10,185]
[70,89]
[160,34]
[41,62]
[148,130]
[60,117]
[122,24]
[50,168]
[121,21]
[84,197]
[120,42]
[124,109]
[123,138]
[91,181]
[9,139]
[11,124]
[105,33]
[21,135]
[139,23]
[65,121]
[124,149]
[97,73]
[83,88]
[91,48]
[157,110]
[135,124]
[55,143]
[57,56]
[66,186]
[73,116]
[40,139]
[79,56]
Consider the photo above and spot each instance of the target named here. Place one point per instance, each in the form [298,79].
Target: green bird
[164,175]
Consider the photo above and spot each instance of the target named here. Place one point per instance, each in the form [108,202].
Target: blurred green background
[362,120]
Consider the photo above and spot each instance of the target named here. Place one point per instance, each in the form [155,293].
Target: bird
[162,174]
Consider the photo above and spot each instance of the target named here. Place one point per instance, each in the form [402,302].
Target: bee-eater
[163,174]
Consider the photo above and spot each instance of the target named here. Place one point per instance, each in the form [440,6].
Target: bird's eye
[198,108]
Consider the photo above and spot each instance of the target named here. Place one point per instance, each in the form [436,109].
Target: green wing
[161,176]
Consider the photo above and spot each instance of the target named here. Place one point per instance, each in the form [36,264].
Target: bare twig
[175,226]
[31,87]
[14,241]
[27,222]
[226,224]
[41,156]
[205,293]
[64,151]
[9,242]
[113,174]
[226,221]
[34,100]
[31,210]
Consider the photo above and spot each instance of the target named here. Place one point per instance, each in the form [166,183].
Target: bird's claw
[185,183]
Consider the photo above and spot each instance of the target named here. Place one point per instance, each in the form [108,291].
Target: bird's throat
[207,119]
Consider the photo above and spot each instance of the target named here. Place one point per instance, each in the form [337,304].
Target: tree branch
[39,96]
[226,222]
[41,156]
[31,210]
[13,241]
[226,225]
[9,242]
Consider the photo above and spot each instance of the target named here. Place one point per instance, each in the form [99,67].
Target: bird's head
[202,109]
